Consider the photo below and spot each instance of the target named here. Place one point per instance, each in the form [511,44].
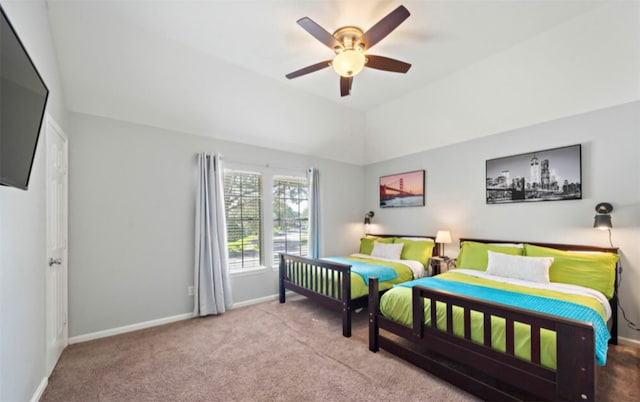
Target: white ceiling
[114,55]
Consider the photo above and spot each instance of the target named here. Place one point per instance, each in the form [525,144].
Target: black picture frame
[548,175]
[403,189]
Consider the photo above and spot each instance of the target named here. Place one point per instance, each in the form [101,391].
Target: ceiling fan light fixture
[350,43]
[349,63]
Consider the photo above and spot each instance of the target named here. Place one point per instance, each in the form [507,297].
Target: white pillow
[391,251]
[532,269]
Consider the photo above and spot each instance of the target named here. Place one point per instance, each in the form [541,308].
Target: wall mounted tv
[23,98]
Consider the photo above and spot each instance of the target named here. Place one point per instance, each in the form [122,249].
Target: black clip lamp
[367,217]
[602,221]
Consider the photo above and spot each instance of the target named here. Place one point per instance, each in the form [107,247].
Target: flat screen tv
[23,98]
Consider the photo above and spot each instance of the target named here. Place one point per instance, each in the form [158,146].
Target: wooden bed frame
[486,372]
[338,295]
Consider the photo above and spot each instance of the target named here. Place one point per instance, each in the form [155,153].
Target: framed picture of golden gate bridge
[402,190]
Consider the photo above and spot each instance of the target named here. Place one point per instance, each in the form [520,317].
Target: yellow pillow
[474,255]
[591,270]
[366,243]
[417,250]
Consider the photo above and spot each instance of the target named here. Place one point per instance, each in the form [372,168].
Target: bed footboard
[477,367]
[323,281]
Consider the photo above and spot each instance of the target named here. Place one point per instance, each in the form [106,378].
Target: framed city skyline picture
[402,190]
[548,175]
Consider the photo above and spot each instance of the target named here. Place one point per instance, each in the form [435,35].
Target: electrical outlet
[190,290]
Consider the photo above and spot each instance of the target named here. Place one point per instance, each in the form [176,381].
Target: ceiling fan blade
[345,85]
[387,64]
[384,27]
[319,32]
[309,69]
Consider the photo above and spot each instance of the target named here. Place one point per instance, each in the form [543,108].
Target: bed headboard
[559,246]
[577,247]
[436,247]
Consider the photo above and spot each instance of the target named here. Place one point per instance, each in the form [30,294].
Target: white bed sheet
[560,287]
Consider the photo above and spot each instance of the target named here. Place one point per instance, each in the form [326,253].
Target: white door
[57,330]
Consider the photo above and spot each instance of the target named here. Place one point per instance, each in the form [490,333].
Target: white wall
[210,97]
[455,191]
[22,231]
[588,63]
[132,204]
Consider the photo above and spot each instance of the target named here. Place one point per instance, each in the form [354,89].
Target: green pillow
[417,250]
[591,270]
[366,243]
[474,255]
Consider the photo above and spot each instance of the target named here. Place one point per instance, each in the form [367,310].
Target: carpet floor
[268,352]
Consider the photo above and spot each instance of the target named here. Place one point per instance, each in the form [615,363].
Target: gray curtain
[212,284]
[314,213]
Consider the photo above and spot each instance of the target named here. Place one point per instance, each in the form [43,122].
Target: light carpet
[265,352]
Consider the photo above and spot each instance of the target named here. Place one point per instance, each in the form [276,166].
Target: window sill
[248,271]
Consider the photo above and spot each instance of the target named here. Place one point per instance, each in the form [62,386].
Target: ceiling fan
[350,43]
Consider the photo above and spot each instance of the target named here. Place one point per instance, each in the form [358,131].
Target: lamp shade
[443,236]
[602,222]
[367,217]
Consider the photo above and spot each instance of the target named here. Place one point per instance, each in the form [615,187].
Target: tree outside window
[290,216]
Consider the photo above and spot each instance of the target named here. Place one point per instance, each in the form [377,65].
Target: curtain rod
[265,165]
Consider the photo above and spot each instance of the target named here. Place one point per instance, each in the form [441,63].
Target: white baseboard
[160,321]
[40,390]
[254,301]
[129,328]
[147,324]
[629,342]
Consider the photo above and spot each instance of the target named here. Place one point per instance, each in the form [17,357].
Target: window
[290,216]
[243,211]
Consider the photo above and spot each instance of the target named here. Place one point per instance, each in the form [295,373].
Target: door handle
[56,261]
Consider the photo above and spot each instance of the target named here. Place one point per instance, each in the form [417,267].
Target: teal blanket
[366,270]
[530,302]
